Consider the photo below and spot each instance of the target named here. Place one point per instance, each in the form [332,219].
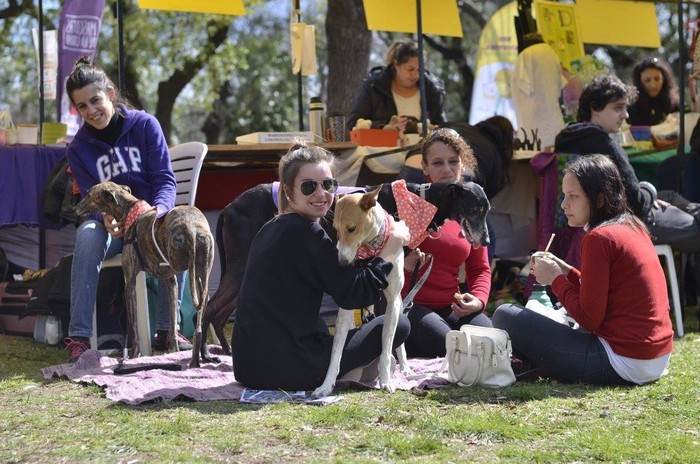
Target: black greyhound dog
[240,221]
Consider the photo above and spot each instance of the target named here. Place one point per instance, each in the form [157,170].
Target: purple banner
[78,34]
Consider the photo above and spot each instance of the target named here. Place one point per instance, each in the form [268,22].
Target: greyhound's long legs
[343,324]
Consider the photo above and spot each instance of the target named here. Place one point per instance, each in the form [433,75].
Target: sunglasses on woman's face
[309,186]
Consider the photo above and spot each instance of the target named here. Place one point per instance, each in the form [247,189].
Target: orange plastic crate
[375,137]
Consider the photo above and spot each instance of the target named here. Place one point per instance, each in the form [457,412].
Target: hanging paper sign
[557,24]
[50,70]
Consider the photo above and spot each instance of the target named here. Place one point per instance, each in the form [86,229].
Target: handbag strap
[468,358]
[407,302]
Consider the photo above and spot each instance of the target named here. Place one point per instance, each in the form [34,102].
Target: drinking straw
[551,239]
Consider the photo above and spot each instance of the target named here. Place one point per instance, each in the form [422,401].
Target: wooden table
[255,156]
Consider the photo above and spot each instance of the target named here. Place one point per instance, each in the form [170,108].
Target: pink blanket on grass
[207,383]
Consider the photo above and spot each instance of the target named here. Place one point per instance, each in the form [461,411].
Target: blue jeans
[562,353]
[93,245]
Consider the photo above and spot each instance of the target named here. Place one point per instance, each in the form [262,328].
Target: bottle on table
[317,119]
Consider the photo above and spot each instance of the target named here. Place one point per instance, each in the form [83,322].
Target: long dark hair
[604,189]
[669,90]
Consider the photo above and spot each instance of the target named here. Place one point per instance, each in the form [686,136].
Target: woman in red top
[618,297]
[436,309]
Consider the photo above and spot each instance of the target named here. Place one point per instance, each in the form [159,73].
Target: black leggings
[562,353]
[364,344]
[429,328]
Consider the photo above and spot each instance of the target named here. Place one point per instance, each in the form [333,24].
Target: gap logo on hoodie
[118,161]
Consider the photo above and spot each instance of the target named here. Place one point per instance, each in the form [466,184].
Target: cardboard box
[375,137]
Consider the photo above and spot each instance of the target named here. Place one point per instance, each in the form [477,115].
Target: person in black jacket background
[393,89]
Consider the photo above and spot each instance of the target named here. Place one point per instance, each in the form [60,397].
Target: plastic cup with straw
[549,244]
[546,250]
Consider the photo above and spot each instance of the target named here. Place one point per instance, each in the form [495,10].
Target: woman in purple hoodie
[125,146]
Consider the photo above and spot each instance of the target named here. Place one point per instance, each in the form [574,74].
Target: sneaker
[76,347]
[162,343]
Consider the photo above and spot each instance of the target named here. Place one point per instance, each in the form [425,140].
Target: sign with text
[557,24]
[78,34]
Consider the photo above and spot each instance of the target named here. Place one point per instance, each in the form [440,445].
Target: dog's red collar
[376,245]
[137,210]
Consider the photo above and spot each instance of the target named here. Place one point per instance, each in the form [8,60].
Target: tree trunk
[168,90]
[349,44]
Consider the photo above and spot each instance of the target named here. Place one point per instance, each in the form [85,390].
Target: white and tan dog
[362,224]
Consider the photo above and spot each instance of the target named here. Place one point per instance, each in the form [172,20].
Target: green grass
[60,421]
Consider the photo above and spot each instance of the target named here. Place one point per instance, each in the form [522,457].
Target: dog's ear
[338,196]
[369,199]
[109,197]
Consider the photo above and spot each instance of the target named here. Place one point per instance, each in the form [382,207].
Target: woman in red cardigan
[440,306]
[618,297]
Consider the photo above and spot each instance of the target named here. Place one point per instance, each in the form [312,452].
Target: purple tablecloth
[24,170]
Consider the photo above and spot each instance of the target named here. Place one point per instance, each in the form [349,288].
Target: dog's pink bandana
[137,210]
[376,245]
[415,211]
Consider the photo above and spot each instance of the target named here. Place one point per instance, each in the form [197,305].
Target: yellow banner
[226,7]
[618,22]
[557,24]
[440,17]
[498,50]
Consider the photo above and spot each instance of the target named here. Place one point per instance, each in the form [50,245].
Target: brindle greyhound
[181,240]
[240,221]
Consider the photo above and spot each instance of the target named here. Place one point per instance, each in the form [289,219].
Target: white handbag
[478,356]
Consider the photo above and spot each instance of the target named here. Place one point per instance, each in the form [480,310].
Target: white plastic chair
[186,160]
[666,252]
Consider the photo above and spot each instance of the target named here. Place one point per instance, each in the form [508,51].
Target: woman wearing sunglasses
[279,339]
[440,305]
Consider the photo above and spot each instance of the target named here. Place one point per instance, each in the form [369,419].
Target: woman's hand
[113,227]
[401,123]
[546,267]
[414,257]
[466,304]
[660,204]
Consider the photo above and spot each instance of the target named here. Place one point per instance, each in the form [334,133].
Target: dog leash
[165,261]
[407,302]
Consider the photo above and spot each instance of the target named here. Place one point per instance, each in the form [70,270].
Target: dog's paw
[322,391]
[406,370]
[388,386]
